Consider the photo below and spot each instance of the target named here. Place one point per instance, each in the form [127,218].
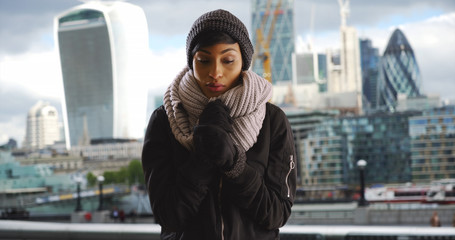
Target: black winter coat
[192,200]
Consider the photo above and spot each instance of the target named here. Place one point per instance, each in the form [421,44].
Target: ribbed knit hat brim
[223,21]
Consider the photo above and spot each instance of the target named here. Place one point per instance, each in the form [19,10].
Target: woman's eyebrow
[224,51]
[227,50]
[205,51]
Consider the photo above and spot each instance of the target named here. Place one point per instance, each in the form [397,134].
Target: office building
[10,145]
[343,65]
[400,73]
[334,71]
[351,79]
[109,150]
[370,58]
[306,68]
[419,103]
[302,122]
[433,144]
[322,155]
[322,72]
[310,67]
[42,126]
[103,48]
[333,148]
[272,33]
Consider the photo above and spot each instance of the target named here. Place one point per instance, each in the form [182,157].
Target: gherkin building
[400,74]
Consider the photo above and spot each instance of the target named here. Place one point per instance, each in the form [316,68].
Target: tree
[135,173]
[110,177]
[91,179]
[130,175]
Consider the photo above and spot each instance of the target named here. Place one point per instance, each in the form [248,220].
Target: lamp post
[361,164]
[78,200]
[100,184]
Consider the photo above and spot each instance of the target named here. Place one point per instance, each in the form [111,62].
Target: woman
[218,158]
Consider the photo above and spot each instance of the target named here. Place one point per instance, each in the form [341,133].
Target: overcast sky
[29,69]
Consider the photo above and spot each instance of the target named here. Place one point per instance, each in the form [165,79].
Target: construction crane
[264,55]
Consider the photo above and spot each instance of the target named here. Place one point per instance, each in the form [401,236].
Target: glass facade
[304,68]
[86,60]
[333,148]
[102,47]
[323,154]
[302,122]
[274,18]
[322,70]
[400,73]
[433,144]
[370,73]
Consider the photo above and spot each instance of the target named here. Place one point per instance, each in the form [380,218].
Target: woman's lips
[215,87]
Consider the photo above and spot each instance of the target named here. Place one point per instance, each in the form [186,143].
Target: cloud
[164,67]
[15,128]
[27,24]
[175,17]
[364,14]
[432,41]
[37,72]
[25,79]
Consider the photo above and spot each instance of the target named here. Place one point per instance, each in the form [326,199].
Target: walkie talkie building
[102,48]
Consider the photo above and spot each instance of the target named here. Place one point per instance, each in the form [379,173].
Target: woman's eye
[228,61]
[203,60]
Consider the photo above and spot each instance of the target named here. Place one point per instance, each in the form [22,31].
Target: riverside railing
[12,230]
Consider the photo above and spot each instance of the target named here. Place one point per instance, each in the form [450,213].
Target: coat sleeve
[176,183]
[268,199]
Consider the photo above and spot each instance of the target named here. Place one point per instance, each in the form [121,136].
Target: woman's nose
[216,71]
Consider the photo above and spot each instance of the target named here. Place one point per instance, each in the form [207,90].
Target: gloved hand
[217,114]
[211,138]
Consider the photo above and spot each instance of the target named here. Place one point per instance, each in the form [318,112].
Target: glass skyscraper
[369,59]
[400,73]
[322,70]
[273,38]
[102,47]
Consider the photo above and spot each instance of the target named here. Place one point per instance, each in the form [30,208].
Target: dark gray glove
[211,137]
[217,114]
[215,145]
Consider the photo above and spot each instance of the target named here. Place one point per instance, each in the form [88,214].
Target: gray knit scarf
[184,102]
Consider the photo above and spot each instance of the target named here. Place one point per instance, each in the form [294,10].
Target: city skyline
[29,65]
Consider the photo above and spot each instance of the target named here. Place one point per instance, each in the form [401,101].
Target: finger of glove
[216,113]
[216,144]
[214,110]
[209,137]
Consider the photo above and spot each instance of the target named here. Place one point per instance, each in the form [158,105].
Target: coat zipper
[221,213]
[291,166]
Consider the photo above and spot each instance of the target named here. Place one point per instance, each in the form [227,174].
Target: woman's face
[217,68]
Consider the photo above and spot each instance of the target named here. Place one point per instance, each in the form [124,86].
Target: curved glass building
[399,71]
[103,47]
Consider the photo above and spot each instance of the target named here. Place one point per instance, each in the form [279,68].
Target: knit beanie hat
[223,21]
